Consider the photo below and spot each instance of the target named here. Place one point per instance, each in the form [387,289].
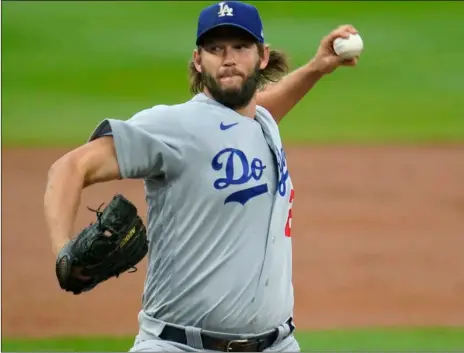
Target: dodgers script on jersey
[219,198]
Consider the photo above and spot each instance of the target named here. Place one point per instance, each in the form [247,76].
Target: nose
[229,56]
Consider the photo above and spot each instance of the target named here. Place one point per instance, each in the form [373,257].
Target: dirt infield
[378,240]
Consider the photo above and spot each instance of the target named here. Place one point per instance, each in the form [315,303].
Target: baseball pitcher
[218,190]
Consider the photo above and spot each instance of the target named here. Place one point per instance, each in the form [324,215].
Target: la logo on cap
[225,10]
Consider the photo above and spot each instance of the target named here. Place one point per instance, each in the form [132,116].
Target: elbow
[60,165]
[56,168]
[66,168]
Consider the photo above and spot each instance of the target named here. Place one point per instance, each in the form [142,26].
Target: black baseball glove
[114,244]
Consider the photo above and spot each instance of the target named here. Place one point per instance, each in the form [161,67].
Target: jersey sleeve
[148,145]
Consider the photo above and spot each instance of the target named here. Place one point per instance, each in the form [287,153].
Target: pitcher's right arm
[88,164]
[151,144]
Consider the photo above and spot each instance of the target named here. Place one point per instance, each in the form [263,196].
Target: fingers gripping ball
[349,48]
[113,245]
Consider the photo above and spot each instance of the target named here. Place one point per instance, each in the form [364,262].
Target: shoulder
[167,114]
[157,119]
[154,113]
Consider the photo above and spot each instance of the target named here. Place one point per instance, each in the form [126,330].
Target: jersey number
[288,226]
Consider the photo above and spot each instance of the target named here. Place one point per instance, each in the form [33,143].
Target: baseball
[348,48]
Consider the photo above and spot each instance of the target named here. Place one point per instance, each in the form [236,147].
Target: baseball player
[218,190]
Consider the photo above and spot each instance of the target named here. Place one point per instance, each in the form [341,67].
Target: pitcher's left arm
[281,97]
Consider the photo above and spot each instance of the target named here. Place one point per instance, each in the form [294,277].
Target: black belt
[254,344]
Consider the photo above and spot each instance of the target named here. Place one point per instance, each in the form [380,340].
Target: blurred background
[376,154]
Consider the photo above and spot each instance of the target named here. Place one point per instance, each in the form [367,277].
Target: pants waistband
[151,328]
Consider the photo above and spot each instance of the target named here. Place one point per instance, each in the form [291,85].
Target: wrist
[314,70]
[59,244]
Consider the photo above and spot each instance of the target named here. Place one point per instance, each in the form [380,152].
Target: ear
[264,57]
[197,59]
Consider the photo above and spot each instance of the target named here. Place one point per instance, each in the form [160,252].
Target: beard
[233,98]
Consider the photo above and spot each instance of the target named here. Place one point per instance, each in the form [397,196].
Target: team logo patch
[238,170]
[225,10]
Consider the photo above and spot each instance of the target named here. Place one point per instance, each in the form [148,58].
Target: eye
[214,48]
[240,46]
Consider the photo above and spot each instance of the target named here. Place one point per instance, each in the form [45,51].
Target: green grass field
[68,65]
[430,339]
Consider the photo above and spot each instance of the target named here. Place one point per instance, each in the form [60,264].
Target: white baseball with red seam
[348,48]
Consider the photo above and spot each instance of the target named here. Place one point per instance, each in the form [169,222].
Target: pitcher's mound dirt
[378,240]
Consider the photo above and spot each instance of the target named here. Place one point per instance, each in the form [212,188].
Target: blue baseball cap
[231,13]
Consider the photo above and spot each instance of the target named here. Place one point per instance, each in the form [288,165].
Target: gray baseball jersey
[219,214]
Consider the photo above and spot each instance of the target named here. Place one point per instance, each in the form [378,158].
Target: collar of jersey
[201,97]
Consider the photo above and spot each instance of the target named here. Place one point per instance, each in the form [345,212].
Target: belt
[253,344]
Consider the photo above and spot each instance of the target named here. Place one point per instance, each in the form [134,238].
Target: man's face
[229,63]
